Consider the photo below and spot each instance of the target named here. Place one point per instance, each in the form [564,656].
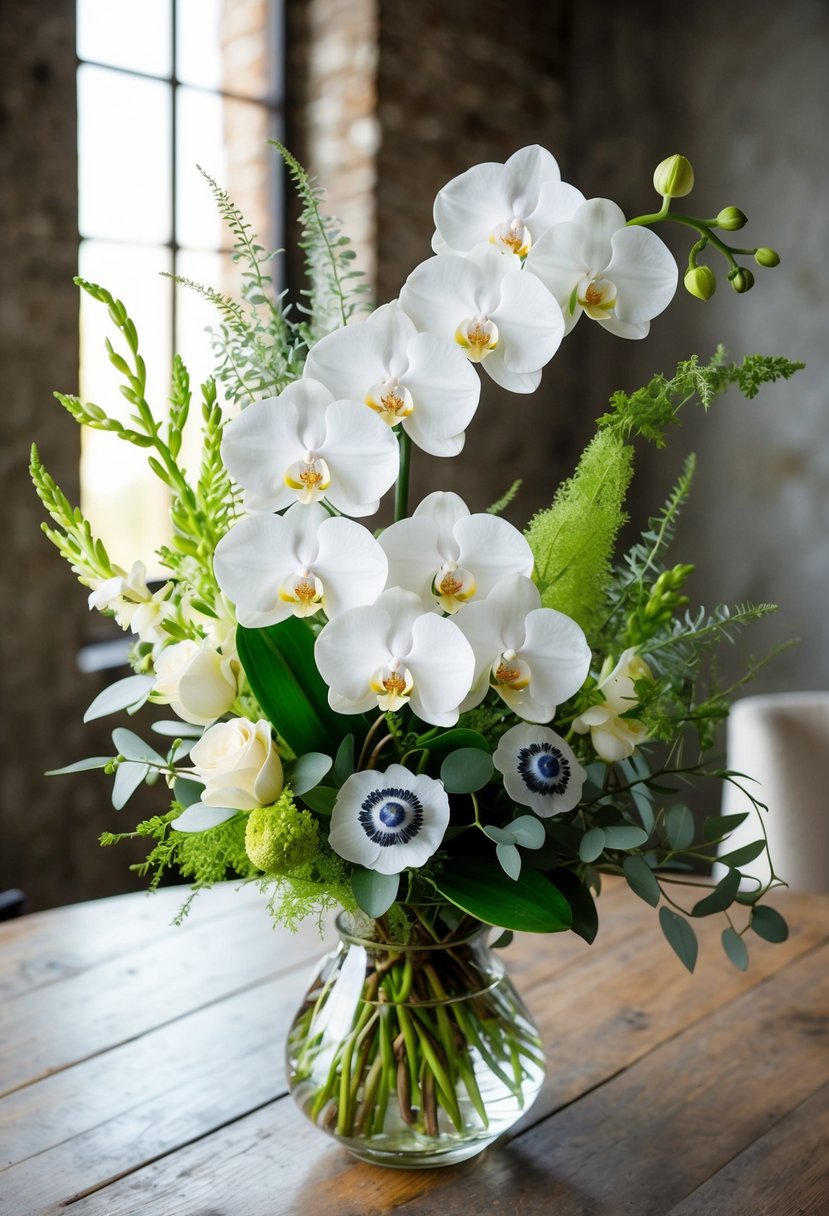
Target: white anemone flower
[539,770]
[509,205]
[389,821]
[393,653]
[416,379]
[615,737]
[533,657]
[296,564]
[450,557]
[621,277]
[304,446]
[499,316]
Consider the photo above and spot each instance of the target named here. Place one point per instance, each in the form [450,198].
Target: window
[164,86]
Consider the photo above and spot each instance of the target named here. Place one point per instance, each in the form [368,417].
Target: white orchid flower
[539,770]
[389,821]
[500,317]
[276,566]
[509,205]
[304,446]
[392,653]
[533,657]
[614,737]
[621,277]
[416,379]
[450,557]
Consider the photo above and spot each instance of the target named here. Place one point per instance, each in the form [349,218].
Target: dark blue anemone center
[391,816]
[544,769]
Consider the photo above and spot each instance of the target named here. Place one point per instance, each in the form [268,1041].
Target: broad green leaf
[528,831]
[466,770]
[742,856]
[128,777]
[680,937]
[509,859]
[641,880]
[450,740]
[320,799]
[769,924]
[721,897]
[307,771]
[375,893]
[343,761]
[577,894]
[624,836]
[720,825]
[132,747]
[679,825]
[129,693]
[502,940]
[187,792]
[529,904]
[80,766]
[592,844]
[735,948]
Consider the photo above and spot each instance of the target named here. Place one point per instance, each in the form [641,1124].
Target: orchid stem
[401,497]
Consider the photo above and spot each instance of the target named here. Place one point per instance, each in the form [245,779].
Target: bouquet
[447,722]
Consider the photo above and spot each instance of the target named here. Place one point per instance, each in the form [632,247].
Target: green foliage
[530,903]
[281,838]
[318,889]
[205,857]
[504,501]
[73,537]
[572,541]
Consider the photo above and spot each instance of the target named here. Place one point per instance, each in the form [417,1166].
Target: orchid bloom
[500,317]
[509,205]
[621,277]
[389,821]
[615,737]
[416,379]
[450,557]
[304,446]
[275,566]
[533,657]
[393,654]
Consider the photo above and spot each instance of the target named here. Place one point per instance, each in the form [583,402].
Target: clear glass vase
[413,1052]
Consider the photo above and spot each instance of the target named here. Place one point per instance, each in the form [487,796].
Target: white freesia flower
[238,764]
[416,379]
[621,277]
[449,556]
[303,446]
[499,317]
[539,769]
[133,605]
[389,821]
[614,737]
[509,205]
[195,680]
[392,654]
[533,657]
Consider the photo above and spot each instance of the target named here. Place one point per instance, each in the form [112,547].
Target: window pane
[228,45]
[133,36]
[124,155]
[228,139]
[126,504]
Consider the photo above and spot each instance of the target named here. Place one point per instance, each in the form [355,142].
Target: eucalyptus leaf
[721,897]
[641,880]
[81,766]
[173,729]
[128,776]
[199,818]
[735,948]
[717,826]
[530,903]
[769,924]
[451,740]
[644,807]
[592,844]
[375,893]
[680,937]
[679,825]
[742,856]
[509,858]
[528,831]
[187,792]
[307,771]
[466,770]
[624,836]
[129,693]
[131,747]
[320,799]
[499,835]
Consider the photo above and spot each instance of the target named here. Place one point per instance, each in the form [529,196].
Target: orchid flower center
[310,477]
[391,816]
[391,400]
[304,591]
[509,673]
[477,336]
[597,297]
[453,586]
[393,685]
[544,769]
[512,237]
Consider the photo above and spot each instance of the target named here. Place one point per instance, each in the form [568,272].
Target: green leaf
[582,904]
[528,831]
[128,777]
[132,747]
[466,770]
[307,771]
[742,856]
[735,948]
[504,939]
[177,730]
[509,859]
[529,904]
[187,793]
[592,844]
[640,879]
[769,924]
[320,799]
[449,740]
[721,897]
[499,835]
[130,693]
[343,761]
[624,836]
[680,937]
[720,825]
[679,825]
[375,893]
[80,766]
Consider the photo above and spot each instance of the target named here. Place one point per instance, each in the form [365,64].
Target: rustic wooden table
[142,1073]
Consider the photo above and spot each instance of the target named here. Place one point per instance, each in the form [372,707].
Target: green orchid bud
[766,257]
[731,218]
[701,282]
[741,280]
[673,177]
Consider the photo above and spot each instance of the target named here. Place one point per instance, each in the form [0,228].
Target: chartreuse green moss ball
[280,838]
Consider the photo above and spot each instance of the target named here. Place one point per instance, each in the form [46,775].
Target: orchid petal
[411,546]
[556,649]
[529,321]
[351,565]
[443,384]
[599,219]
[349,360]
[472,204]
[364,456]
[440,292]
[645,274]
[492,549]
[442,663]
[350,648]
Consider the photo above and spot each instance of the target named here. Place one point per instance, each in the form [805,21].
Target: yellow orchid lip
[477,336]
[393,686]
[309,477]
[391,400]
[597,297]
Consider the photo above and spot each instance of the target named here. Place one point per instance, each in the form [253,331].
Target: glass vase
[410,1051]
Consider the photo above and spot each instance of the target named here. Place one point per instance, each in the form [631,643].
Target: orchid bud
[673,177]
[731,218]
[701,282]
[766,257]
[741,280]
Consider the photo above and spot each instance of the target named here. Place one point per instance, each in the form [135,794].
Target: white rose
[614,737]
[198,682]
[239,765]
